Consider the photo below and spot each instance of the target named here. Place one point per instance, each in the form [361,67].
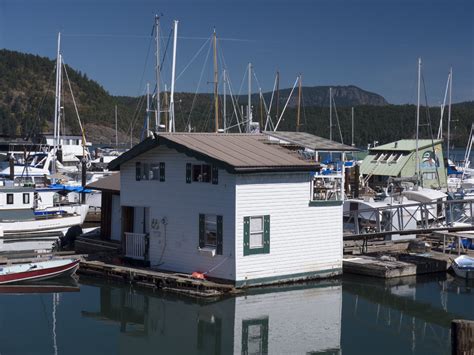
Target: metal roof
[406,145]
[108,183]
[237,153]
[311,141]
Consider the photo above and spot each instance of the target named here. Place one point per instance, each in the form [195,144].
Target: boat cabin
[398,160]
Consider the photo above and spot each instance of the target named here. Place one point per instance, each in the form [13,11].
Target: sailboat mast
[249,99]
[417,167]
[352,125]
[224,113]
[158,69]
[171,127]
[277,94]
[116,128]
[216,98]
[147,125]
[449,107]
[57,105]
[165,107]
[330,114]
[299,104]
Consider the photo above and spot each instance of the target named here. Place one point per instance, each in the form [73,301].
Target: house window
[201,173]
[257,235]
[210,232]
[429,176]
[138,171]
[9,199]
[26,198]
[255,336]
[326,188]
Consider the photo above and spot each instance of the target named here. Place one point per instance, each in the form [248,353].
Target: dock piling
[462,337]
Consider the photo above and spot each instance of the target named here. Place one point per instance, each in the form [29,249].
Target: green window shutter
[219,235]
[138,171]
[162,171]
[188,173]
[202,231]
[246,236]
[215,175]
[266,234]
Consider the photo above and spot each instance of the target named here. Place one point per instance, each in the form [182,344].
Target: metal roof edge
[140,148]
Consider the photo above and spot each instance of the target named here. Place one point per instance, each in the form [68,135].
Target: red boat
[40,270]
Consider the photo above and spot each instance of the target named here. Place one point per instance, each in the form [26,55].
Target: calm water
[353,315]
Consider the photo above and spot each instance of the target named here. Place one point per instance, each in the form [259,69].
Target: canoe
[40,270]
[463,266]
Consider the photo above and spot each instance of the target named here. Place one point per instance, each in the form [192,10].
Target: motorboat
[463,266]
[36,271]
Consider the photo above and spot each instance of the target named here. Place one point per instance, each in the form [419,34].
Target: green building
[398,159]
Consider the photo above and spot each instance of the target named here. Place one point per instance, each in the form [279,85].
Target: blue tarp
[68,188]
[452,171]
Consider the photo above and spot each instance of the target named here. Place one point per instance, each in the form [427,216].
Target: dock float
[172,282]
[396,265]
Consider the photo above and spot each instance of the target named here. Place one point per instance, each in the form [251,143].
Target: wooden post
[462,337]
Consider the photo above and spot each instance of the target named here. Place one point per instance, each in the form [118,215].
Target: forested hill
[27,104]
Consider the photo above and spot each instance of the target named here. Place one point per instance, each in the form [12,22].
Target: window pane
[210,237]
[155,172]
[10,199]
[256,224]
[256,240]
[138,171]
[206,173]
[146,171]
[255,339]
[197,173]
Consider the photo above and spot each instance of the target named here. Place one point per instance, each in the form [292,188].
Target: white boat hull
[463,267]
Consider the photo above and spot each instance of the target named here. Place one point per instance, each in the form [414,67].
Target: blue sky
[373,44]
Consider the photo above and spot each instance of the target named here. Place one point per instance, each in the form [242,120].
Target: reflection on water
[353,315]
[297,319]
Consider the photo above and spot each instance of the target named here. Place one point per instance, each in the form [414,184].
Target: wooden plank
[462,337]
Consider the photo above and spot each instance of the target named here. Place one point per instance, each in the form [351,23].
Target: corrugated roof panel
[311,141]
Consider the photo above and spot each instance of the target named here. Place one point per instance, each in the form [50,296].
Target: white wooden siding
[175,246]
[299,322]
[303,238]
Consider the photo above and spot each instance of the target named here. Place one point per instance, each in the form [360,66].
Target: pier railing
[408,218]
[136,245]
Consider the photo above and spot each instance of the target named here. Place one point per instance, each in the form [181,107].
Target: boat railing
[136,245]
[411,216]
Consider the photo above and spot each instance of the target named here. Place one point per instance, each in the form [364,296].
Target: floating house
[242,208]
[398,160]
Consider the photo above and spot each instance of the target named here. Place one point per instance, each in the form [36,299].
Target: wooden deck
[173,282]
